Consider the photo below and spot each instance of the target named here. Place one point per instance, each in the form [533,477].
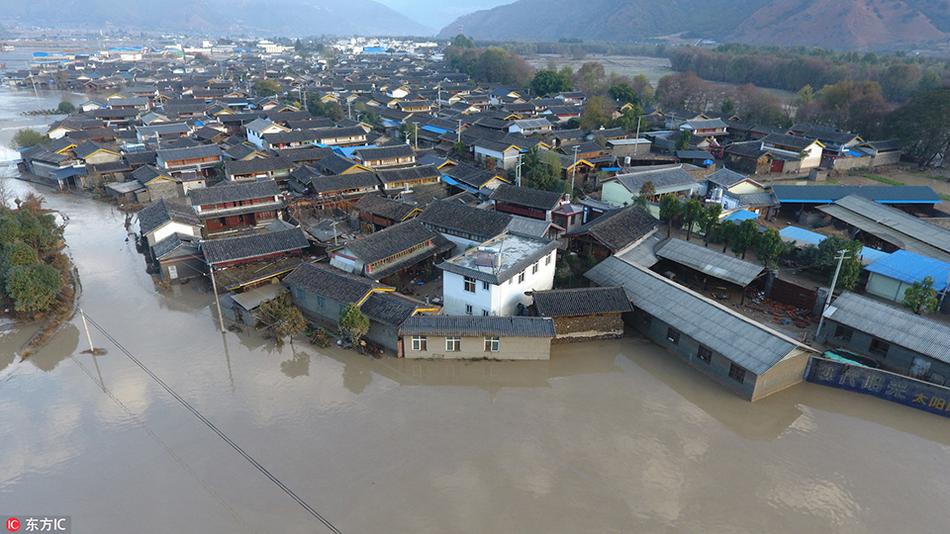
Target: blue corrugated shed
[741,215]
[883,194]
[435,129]
[802,236]
[909,268]
[347,151]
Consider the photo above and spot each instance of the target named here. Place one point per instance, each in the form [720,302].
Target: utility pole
[573,171]
[636,146]
[349,109]
[417,136]
[458,132]
[518,170]
[217,302]
[85,325]
[842,255]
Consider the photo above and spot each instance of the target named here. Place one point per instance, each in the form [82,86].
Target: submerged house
[476,337]
[236,206]
[583,313]
[403,248]
[746,356]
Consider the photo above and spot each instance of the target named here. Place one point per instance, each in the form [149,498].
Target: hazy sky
[438,13]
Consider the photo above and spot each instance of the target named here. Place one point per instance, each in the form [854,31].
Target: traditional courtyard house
[621,190]
[157,184]
[496,154]
[745,356]
[259,127]
[157,133]
[892,275]
[714,127]
[884,152]
[836,142]
[163,219]
[322,292]
[337,164]
[407,178]
[476,338]
[530,126]
[230,207]
[376,212]
[896,338]
[394,255]
[464,225]
[267,246]
[134,103]
[583,313]
[93,153]
[527,202]
[53,160]
[342,189]
[471,179]
[415,106]
[613,232]
[119,118]
[387,156]
[387,311]
[290,139]
[889,229]
[492,279]
[345,136]
[200,159]
[179,259]
[276,168]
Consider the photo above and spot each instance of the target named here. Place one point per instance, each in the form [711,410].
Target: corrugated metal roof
[909,268]
[749,344]
[715,264]
[892,324]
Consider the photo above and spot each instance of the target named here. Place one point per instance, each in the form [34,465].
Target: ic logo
[13,524]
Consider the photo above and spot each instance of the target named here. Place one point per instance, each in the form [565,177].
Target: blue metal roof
[741,215]
[347,151]
[807,237]
[883,194]
[435,129]
[909,268]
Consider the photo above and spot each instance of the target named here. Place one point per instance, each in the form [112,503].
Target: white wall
[501,299]
[171,228]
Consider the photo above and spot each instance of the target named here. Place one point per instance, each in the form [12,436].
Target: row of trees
[282,319]
[489,65]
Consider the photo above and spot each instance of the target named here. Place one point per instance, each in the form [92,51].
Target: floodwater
[606,437]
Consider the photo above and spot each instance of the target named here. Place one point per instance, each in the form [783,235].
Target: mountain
[841,24]
[438,13]
[278,17]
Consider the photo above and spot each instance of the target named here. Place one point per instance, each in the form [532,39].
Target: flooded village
[416,301]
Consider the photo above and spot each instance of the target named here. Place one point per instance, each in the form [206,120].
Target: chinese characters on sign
[37,523]
[888,386]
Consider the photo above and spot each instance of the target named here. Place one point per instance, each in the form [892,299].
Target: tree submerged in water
[27,137]
[281,318]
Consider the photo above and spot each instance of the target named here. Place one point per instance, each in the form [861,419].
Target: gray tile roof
[619,229]
[749,344]
[884,194]
[711,262]
[514,252]
[393,240]
[329,282]
[581,301]
[158,213]
[892,324]
[663,180]
[190,152]
[726,178]
[390,308]
[408,173]
[233,192]
[388,208]
[526,196]
[465,221]
[253,246]
[473,325]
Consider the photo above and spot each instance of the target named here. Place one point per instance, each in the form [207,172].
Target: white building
[257,128]
[492,279]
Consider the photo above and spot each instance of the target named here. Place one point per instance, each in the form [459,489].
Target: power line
[215,429]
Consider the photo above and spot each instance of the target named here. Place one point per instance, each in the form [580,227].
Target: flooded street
[606,437]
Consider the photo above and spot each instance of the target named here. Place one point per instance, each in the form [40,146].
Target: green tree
[596,113]
[682,143]
[266,87]
[647,190]
[728,107]
[923,126]
[65,107]
[670,210]
[463,41]
[805,96]
[541,169]
[708,220]
[33,288]
[921,297]
[623,93]
[850,268]
[281,318]
[353,323]
[547,82]
[692,213]
[628,119]
[27,137]
[769,246]
[744,237]
[590,77]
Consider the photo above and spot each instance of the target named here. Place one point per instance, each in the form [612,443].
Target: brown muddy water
[606,437]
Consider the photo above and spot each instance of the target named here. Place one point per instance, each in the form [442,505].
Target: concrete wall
[473,348]
[323,311]
[500,299]
[782,375]
[897,359]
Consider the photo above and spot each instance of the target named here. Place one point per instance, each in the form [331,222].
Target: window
[468,309]
[704,354]
[492,344]
[547,259]
[843,333]
[673,335]
[469,284]
[880,347]
[534,268]
[485,313]
[420,343]
[485,286]
[521,277]
[736,373]
[453,344]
